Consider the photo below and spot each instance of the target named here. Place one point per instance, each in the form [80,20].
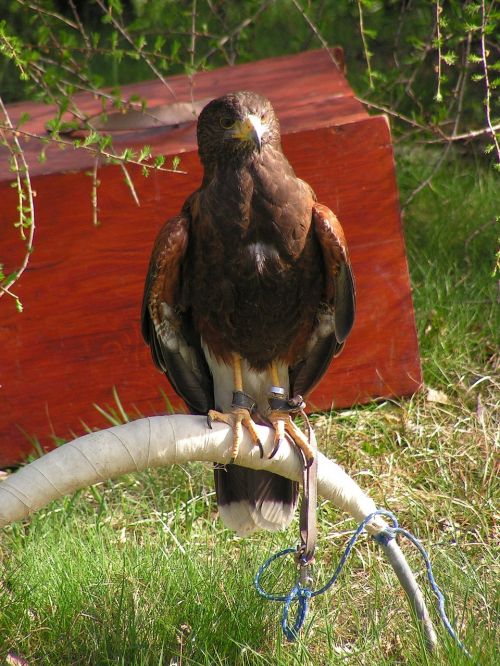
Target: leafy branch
[25,207]
[486,26]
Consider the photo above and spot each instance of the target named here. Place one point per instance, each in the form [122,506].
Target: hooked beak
[250,129]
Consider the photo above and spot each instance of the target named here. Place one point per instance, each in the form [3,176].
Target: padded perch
[165,440]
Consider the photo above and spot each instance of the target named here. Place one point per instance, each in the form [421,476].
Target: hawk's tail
[250,499]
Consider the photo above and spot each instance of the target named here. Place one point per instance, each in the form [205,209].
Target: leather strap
[279,401]
[241,399]
[308,519]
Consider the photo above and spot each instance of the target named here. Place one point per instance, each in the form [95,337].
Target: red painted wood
[306,90]
[80,332]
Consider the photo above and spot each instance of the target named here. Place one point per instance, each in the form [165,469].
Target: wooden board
[307,92]
[79,335]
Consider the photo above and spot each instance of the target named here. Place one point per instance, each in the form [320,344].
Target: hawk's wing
[167,326]
[336,316]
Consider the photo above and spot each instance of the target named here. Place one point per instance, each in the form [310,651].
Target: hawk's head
[233,127]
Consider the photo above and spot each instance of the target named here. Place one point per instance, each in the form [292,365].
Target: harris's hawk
[249,294]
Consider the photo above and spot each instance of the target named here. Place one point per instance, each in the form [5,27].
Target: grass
[140,571]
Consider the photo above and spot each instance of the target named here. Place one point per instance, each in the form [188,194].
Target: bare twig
[139,51]
[218,12]
[192,51]
[44,10]
[472,134]
[392,112]
[37,72]
[130,184]
[460,86]
[91,50]
[85,86]
[475,233]
[244,24]
[435,168]
[405,6]
[440,161]
[318,34]
[95,186]
[319,8]
[443,138]
[408,90]
[80,25]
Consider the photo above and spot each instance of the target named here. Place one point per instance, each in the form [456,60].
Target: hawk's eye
[226,122]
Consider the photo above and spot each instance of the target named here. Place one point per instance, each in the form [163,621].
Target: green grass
[140,571]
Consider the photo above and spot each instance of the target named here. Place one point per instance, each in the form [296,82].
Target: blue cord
[304,594]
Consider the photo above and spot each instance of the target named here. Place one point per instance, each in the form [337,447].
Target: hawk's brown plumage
[252,266]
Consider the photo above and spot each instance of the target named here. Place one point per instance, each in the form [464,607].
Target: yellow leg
[239,417]
[274,374]
[237,377]
[283,423]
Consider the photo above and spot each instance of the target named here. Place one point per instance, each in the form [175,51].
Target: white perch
[165,440]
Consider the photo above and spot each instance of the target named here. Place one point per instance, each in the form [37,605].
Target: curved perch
[164,440]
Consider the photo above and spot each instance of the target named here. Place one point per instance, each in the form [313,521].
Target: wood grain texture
[80,332]
[307,91]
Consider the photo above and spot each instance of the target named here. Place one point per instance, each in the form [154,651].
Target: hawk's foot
[237,419]
[283,424]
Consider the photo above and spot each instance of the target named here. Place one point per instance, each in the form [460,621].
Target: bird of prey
[248,297]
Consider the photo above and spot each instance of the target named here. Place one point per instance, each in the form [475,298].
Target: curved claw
[277,443]
[261,448]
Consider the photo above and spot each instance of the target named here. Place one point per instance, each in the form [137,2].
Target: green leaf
[140,42]
[449,58]
[23,119]
[92,137]
[160,42]
[116,5]
[105,141]
[145,153]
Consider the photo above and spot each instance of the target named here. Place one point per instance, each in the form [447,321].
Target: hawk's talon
[284,425]
[237,419]
[277,443]
[261,449]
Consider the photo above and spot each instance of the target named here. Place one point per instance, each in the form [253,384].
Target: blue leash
[303,593]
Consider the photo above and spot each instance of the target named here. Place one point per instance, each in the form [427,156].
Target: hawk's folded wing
[167,326]
[336,315]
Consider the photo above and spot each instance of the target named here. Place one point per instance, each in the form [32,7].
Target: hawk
[248,297]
